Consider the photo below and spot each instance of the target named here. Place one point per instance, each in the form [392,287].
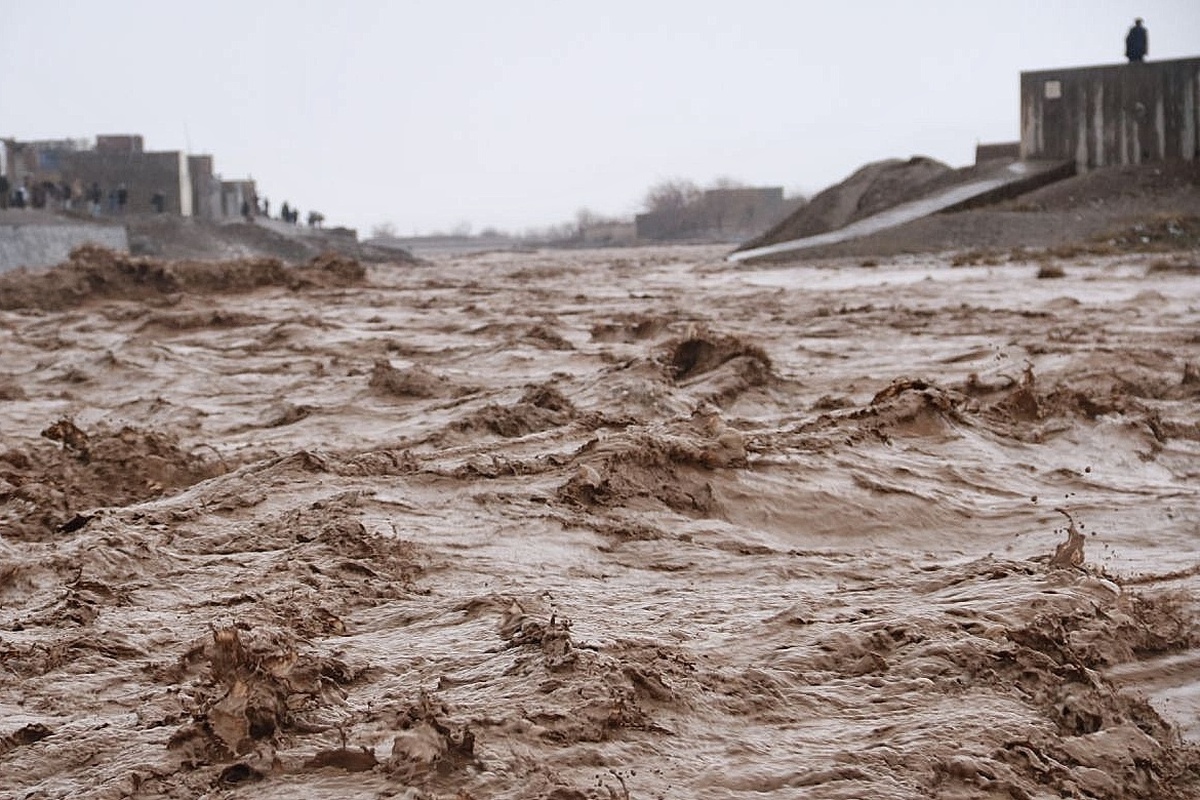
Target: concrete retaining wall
[1120,114]
[997,150]
[47,245]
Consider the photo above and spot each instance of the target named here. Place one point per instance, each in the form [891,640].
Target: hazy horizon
[514,117]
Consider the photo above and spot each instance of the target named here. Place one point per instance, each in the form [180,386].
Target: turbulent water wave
[574,526]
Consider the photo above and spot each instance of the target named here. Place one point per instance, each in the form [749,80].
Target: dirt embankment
[871,189]
[1108,204]
[94,273]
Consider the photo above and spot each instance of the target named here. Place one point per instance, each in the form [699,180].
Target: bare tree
[671,195]
[726,182]
[384,230]
[585,218]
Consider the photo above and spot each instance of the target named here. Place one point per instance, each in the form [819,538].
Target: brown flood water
[607,524]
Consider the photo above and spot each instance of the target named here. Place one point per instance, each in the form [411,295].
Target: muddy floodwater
[602,524]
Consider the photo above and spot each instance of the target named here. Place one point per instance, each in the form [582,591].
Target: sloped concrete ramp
[1006,181]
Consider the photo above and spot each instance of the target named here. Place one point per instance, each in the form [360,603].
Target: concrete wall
[206,188]
[47,245]
[120,143]
[143,174]
[186,207]
[1120,114]
[233,194]
[996,151]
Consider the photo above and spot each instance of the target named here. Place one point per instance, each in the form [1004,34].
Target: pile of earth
[96,272]
[1128,188]
[47,488]
[871,189]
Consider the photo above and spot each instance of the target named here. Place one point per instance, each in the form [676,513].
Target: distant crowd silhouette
[77,197]
[254,207]
[62,196]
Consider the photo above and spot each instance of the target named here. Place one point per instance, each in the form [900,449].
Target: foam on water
[576,525]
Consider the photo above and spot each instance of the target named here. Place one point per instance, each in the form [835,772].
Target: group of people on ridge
[76,196]
[252,207]
[62,196]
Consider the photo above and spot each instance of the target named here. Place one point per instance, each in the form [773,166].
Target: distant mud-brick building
[186,183]
[1109,115]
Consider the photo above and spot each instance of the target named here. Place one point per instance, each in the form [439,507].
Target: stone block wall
[46,245]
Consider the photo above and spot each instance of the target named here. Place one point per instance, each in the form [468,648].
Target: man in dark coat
[1137,42]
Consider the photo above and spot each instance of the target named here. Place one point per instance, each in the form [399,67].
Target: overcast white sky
[515,113]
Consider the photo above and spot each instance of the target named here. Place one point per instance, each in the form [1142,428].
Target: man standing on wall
[1137,42]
